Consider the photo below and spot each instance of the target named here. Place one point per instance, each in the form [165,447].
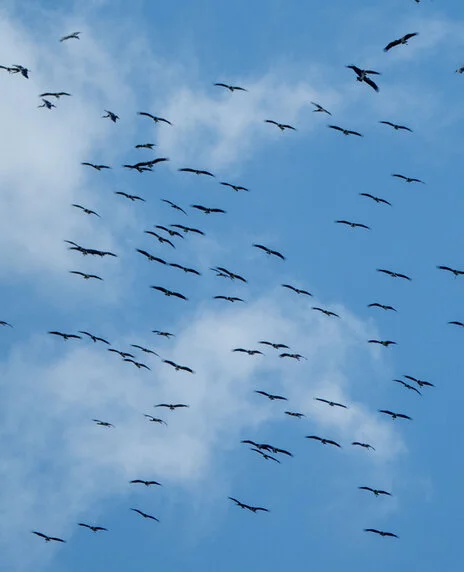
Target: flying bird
[163,334]
[292,356]
[56,94]
[382,306]
[169,292]
[269,251]
[207,210]
[150,257]
[3,323]
[295,414]
[196,171]
[407,179]
[169,231]
[110,115]
[363,76]
[319,108]
[130,197]
[154,117]
[171,406]
[281,126]
[144,350]
[65,336]
[376,492]
[270,395]
[144,514]
[403,40]
[331,403]
[94,338]
[85,210]
[137,364]
[47,104]
[103,423]
[178,367]
[160,238]
[249,352]
[274,345]
[456,323]
[91,527]
[146,483]
[74,35]
[248,507]
[345,131]
[384,343]
[296,290]
[408,386]
[84,275]
[395,415]
[376,199]
[231,88]
[96,167]
[380,532]
[145,146]
[326,312]
[323,441]
[124,355]
[420,382]
[265,455]
[47,538]
[393,274]
[155,419]
[234,187]
[363,445]
[228,298]
[174,206]
[353,224]
[396,126]
[452,270]
[187,229]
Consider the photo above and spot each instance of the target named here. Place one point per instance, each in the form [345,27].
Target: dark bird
[103,423]
[380,532]
[171,406]
[452,270]
[56,94]
[150,257]
[85,210]
[174,206]
[393,274]
[363,445]
[395,126]
[231,88]
[376,492]
[383,306]
[196,171]
[144,514]
[376,199]
[235,187]
[363,76]
[47,104]
[137,364]
[345,131]
[459,70]
[281,126]
[394,415]
[97,167]
[145,146]
[270,395]
[407,179]
[275,346]
[353,224]
[408,386]
[323,441]
[169,231]
[319,108]
[74,35]
[403,40]
[47,538]
[3,323]
[326,312]
[84,275]
[331,403]
[221,271]
[110,115]
[248,507]
[144,350]
[384,343]
[269,251]
[296,290]
[207,210]
[456,323]
[249,352]
[295,414]
[169,292]
[163,334]
[65,336]
[91,527]
[154,117]
[130,197]
[160,238]
[187,229]
[20,69]
[146,483]
[420,382]
[265,455]
[292,356]
[94,338]
[155,419]
[124,355]
[228,298]
[178,367]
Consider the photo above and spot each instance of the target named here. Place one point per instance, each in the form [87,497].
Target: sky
[58,467]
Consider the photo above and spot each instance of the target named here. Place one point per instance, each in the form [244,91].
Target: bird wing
[371,83]
[391,45]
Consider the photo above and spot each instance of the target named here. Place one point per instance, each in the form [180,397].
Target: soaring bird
[363,76]
[271,396]
[323,441]
[269,251]
[169,292]
[74,35]
[407,179]
[85,210]
[208,210]
[452,270]
[326,312]
[185,269]
[103,423]
[231,88]
[16,68]
[331,403]
[47,104]
[130,197]
[295,414]
[178,367]
[292,356]
[150,257]
[265,455]
[94,338]
[196,171]
[384,343]
[319,108]
[393,274]
[457,323]
[111,116]
[169,231]
[234,187]
[376,199]
[65,336]
[345,131]
[383,306]
[380,532]
[171,406]
[420,382]
[137,364]
[155,118]
[155,419]
[144,514]
[395,415]
[146,483]
[396,126]
[376,492]
[96,167]
[91,527]
[163,334]
[274,345]
[296,290]
[248,507]
[249,352]
[281,126]
[47,538]
[84,275]
[3,323]
[160,238]
[403,40]
[363,445]
[353,224]
[188,229]
[124,355]
[174,206]
[408,386]
[228,298]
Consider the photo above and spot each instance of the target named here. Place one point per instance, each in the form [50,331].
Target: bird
[231,88]
[96,167]
[396,126]
[85,276]
[169,292]
[363,76]
[384,343]
[174,206]
[353,224]
[281,126]
[420,382]
[160,238]
[86,210]
[94,338]
[234,187]
[228,298]
[65,336]
[146,483]
[376,492]
[376,199]
[323,441]
[326,312]
[292,356]
[296,290]
[144,350]
[254,509]
[171,406]
[207,210]
[345,131]
[196,171]
[395,415]
[137,364]
[74,35]
[91,527]
[130,197]
[295,414]
[363,445]
[178,367]
[383,306]
[188,229]
[408,386]
[331,403]
[47,104]
[124,355]
[319,108]
[274,345]
[103,423]
[144,514]
[16,68]
[221,271]
[452,270]
[454,323]
[163,334]
[150,257]
[111,116]
[47,538]
[460,69]
[155,419]
[3,323]
[271,396]
[145,146]
[154,117]
[407,179]
[381,532]
[403,40]
[249,352]
[268,251]
[169,231]
[265,455]
[393,274]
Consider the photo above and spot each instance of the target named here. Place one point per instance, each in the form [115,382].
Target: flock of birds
[167,236]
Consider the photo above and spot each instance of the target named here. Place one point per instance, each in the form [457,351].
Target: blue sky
[57,468]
